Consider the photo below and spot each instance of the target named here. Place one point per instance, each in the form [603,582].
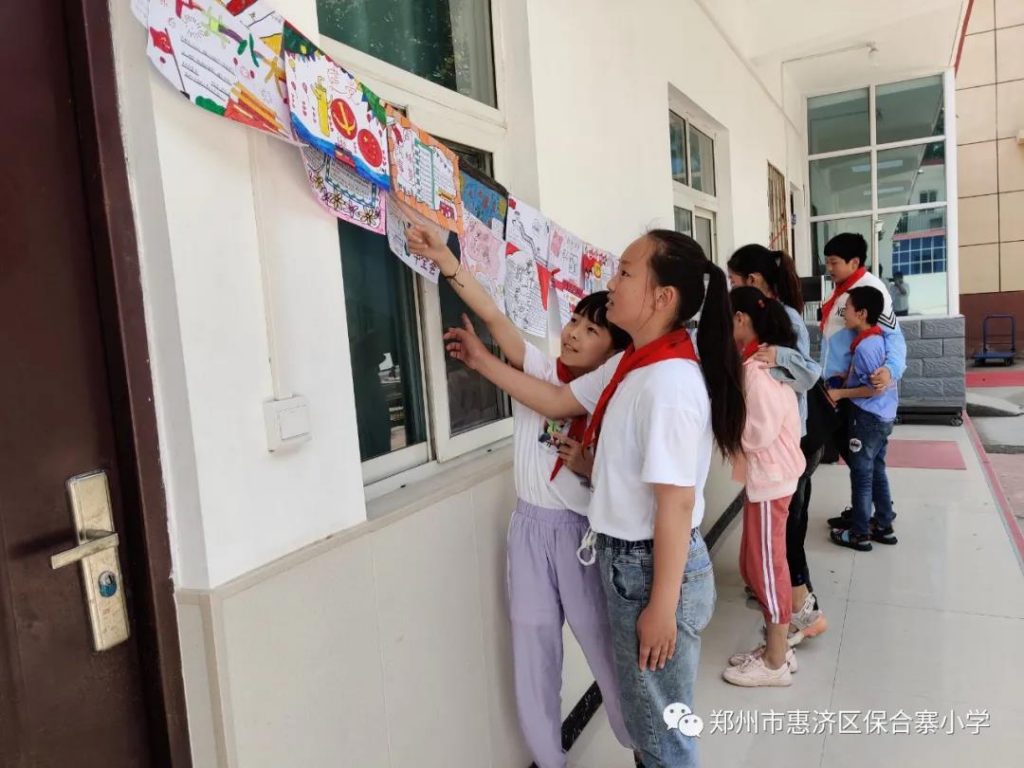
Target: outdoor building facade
[320,582]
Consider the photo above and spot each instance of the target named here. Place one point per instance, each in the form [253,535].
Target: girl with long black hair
[774,274]
[657,413]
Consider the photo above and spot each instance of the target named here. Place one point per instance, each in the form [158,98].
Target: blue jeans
[627,574]
[868,441]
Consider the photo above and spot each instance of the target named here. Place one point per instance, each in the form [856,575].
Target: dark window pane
[445,41]
[838,121]
[677,144]
[702,161]
[684,221]
[909,110]
[384,343]
[472,400]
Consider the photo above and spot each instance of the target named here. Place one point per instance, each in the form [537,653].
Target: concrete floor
[932,625]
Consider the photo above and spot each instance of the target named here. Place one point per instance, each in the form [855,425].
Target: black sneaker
[850,540]
[843,521]
[883,535]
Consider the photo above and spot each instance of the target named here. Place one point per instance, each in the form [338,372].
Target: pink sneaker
[753,673]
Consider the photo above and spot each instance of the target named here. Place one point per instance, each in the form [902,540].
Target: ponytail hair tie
[760,303]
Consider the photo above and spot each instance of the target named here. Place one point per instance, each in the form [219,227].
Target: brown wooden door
[61,704]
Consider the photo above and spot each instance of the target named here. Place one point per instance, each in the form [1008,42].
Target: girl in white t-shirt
[657,412]
[547,584]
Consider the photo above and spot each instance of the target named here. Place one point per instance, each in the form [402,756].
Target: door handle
[96,553]
[96,541]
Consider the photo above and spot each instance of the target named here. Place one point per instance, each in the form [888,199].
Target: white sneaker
[739,659]
[755,674]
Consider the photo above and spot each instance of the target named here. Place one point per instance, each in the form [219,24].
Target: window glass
[702,161]
[841,184]
[913,243]
[684,221]
[677,144]
[448,42]
[910,175]
[838,121]
[909,110]
[383,339]
[704,233]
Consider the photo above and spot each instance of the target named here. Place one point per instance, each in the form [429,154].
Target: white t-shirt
[657,429]
[535,455]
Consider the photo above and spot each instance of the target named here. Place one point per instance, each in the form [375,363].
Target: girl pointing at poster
[660,412]
[546,582]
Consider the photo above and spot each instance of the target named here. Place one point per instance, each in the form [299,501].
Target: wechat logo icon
[679,717]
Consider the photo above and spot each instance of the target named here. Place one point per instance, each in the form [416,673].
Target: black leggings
[796,524]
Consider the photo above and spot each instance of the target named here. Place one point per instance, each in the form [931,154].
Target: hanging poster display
[598,268]
[424,173]
[569,295]
[483,256]
[527,229]
[343,192]
[399,218]
[213,59]
[484,198]
[565,255]
[333,111]
[522,292]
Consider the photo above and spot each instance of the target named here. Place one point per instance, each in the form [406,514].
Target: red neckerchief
[874,330]
[750,349]
[672,346]
[840,289]
[579,424]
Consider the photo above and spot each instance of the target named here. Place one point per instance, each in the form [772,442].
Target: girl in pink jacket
[769,466]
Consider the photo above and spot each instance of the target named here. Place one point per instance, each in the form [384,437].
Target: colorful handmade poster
[424,173]
[484,198]
[140,10]
[527,229]
[399,218]
[522,292]
[569,295]
[483,256]
[598,268]
[261,19]
[343,192]
[565,255]
[214,60]
[333,111]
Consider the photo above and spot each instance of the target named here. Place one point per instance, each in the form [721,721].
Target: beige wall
[990,116]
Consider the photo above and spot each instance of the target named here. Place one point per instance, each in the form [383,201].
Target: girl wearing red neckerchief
[657,414]
[547,584]
[769,467]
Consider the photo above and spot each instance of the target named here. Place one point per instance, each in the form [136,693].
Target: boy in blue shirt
[871,414]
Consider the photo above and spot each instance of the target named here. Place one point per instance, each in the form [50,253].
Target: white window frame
[948,138]
[451,115]
[683,195]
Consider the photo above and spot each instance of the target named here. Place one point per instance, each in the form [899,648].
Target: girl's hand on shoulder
[766,353]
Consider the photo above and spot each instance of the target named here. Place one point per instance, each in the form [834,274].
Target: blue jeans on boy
[868,441]
[627,574]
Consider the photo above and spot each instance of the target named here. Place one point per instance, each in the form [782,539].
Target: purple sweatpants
[546,586]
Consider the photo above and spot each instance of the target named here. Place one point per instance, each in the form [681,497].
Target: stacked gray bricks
[936,360]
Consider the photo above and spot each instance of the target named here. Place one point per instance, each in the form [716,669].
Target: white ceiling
[912,37]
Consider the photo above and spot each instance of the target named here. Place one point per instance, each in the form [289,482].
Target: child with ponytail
[774,274]
[769,466]
[547,585]
[657,413]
